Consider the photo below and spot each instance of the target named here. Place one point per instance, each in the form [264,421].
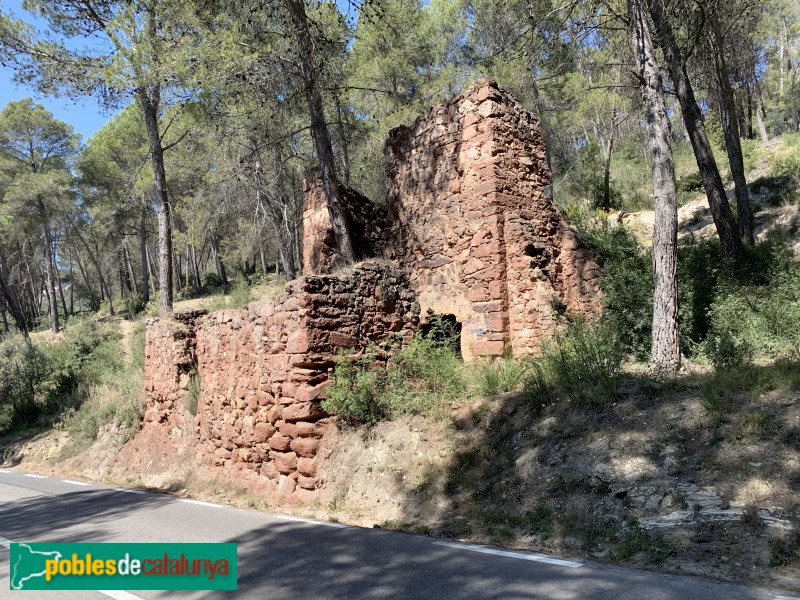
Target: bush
[420,378]
[582,364]
[689,186]
[134,305]
[627,285]
[240,294]
[23,375]
[726,353]
[87,355]
[109,391]
[358,393]
[193,397]
[497,375]
[211,282]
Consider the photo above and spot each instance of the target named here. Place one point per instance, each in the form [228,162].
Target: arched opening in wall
[443,329]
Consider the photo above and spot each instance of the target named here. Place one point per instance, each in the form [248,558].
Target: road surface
[283,557]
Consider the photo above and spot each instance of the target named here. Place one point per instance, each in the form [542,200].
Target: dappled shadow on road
[46,517]
[302,561]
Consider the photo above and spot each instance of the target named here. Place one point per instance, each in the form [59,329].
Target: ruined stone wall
[264,369]
[169,351]
[474,230]
[366,220]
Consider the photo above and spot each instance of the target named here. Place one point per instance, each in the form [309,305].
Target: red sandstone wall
[366,221]
[264,369]
[168,364]
[473,229]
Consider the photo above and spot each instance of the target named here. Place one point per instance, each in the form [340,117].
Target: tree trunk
[665,353]
[223,276]
[762,128]
[153,268]
[263,257]
[607,173]
[319,129]
[10,293]
[94,304]
[730,129]
[143,252]
[4,312]
[60,289]
[104,288]
[693,120]
[71,286]
[132,285]
[149,105]
[55,327]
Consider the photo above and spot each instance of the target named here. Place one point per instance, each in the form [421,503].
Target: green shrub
[211,282]
[497,375]
[87,355]
[763,320]
[726,353]
[715,400]
[240,294]
[359,390]
[700,266]
[23,376]
[419,378]
[194,394]
[627,285]
[582,364]
[134,305]
[689,186]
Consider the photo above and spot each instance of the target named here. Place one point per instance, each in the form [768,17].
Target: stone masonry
[471,226]
[263,370]
[467,231]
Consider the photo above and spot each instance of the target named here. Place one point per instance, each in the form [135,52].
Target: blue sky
[85,115]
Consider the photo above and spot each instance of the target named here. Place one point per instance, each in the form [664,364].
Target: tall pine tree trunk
[149,105]
[665,353]
[12,299]
[143,252]
[223,275]
[730,129]
[319,129]
[693,120]
[55,327]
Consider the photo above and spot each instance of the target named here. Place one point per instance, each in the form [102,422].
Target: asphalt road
[282,557]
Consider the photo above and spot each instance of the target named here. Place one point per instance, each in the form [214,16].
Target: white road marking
[787,597]
[4,542]
[129,491]
[75,482]
[509,554]
[35,476]
[201,503]
[119,595]
[310,521]
[4,471]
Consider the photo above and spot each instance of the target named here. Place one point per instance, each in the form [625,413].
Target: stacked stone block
[264,369]
[474,230]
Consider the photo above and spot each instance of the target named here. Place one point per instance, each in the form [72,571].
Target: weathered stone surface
[285,462]
[474,230]
[468,231]
[306,447]
[264,369]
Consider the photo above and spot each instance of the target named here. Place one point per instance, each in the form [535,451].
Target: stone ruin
[469,223]
[468,231]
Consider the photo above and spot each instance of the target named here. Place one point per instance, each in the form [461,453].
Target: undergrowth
[581,364]
[421,377]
